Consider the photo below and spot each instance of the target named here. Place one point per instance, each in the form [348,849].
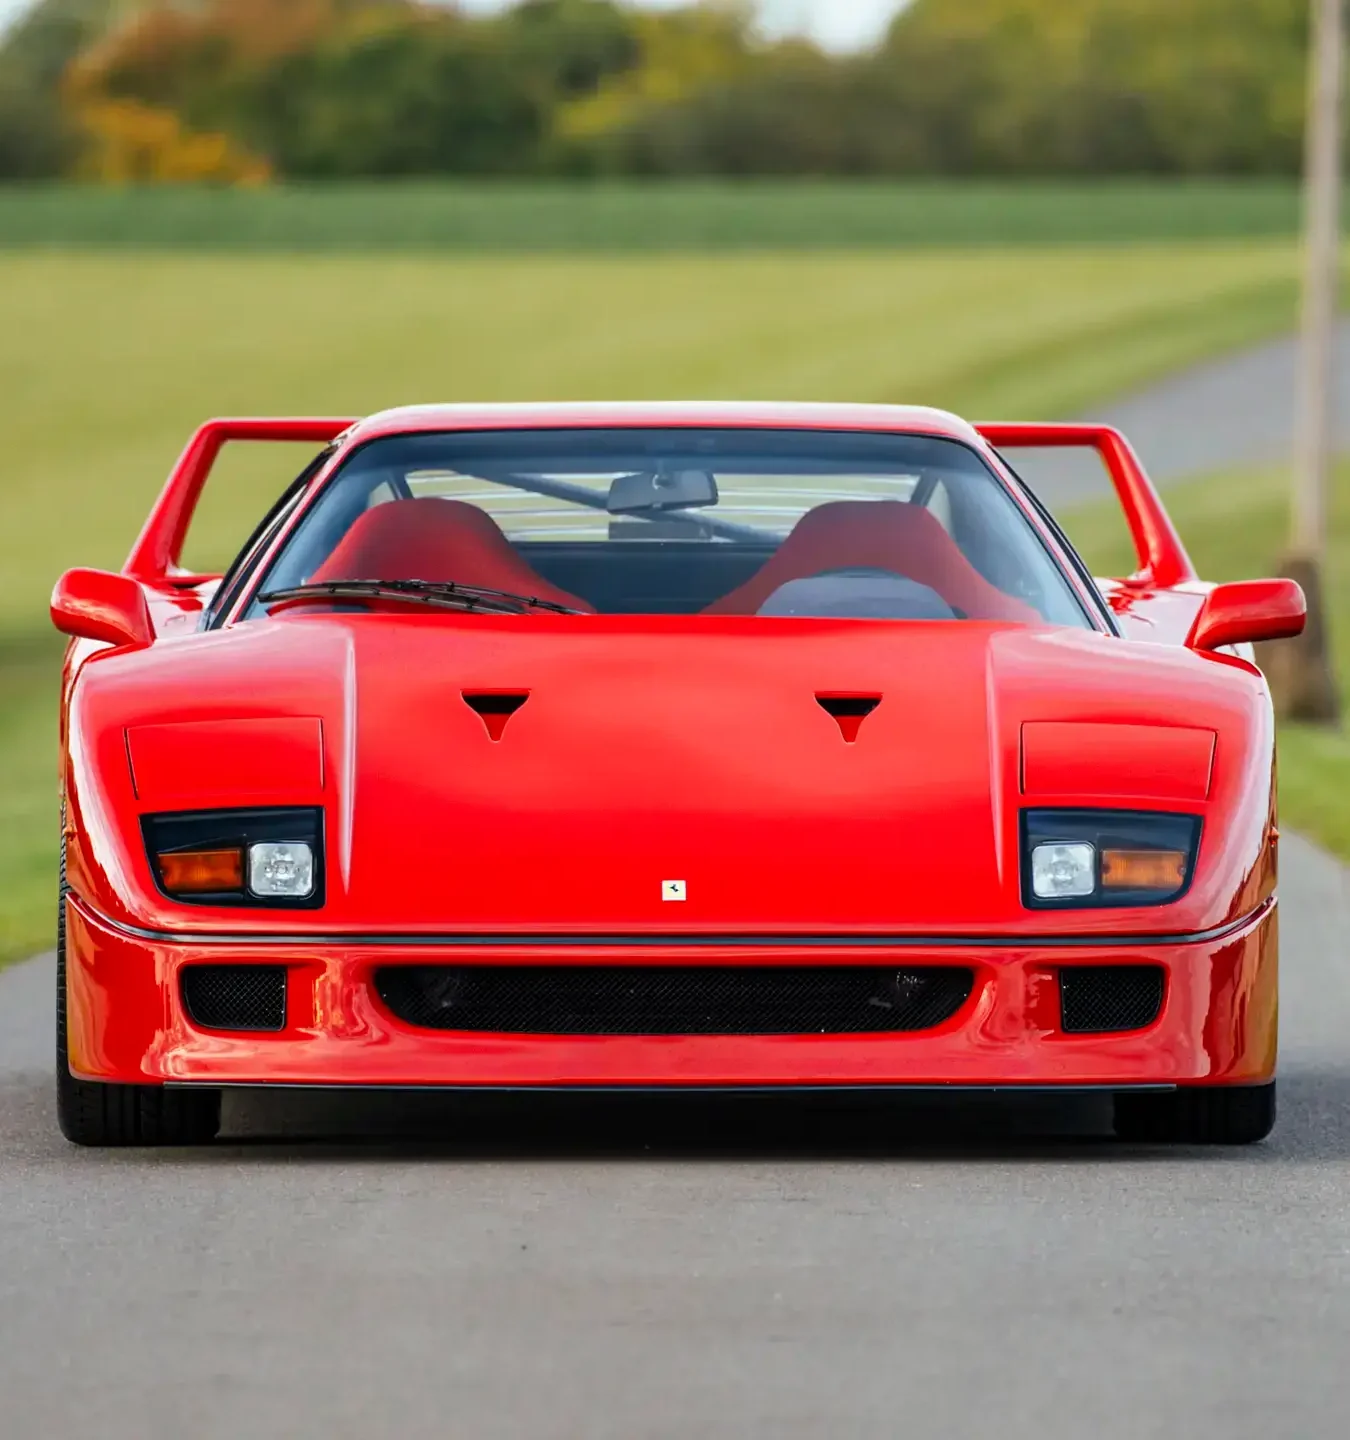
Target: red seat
[439,540]
[877,535]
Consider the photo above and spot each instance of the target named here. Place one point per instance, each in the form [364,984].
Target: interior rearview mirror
[1248,611]
[667,490]
[101,605]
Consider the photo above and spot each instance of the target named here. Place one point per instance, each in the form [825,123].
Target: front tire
[92,1113]
[1200,1115]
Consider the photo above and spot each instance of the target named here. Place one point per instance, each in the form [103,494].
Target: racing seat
[877,535]
[439,540]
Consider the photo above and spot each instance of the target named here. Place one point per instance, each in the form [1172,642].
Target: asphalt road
[661,1271]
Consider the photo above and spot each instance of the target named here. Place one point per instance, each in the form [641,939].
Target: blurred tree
[1182,86]
[36,137]
[677,55]
[398,95]
[361,87]
[575,45]
[987,86]
[798,113]
[126,142]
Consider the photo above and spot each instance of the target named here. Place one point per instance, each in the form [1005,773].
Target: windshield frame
[1050,537]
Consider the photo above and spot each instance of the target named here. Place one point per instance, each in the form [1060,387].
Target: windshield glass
[686,521]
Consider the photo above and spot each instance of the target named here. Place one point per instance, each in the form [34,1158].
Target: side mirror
[101,605]
[1248,611]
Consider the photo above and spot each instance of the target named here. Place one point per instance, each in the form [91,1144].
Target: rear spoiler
[1163,561]
[157,550]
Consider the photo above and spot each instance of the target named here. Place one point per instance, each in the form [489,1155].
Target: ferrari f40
[710,747]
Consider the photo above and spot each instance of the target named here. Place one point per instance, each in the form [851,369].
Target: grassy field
[108,360]
[29,675]
[670,216]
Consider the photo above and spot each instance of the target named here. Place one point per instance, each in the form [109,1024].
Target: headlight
[238,857]
[276,870]
[1063,872]
[1097,858]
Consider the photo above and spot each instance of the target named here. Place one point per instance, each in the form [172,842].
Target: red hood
[676,749]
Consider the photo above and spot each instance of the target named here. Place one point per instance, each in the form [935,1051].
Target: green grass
[29,825]
[1234,527]
[108,360]
[669,216]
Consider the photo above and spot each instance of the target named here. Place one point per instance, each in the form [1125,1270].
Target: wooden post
[1300,670]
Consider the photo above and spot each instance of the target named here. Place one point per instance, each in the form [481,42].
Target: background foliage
[237,90]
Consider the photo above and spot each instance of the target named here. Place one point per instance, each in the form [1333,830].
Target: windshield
[685,521]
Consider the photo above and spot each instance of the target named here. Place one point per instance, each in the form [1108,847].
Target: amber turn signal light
[1163,870]
[201,872]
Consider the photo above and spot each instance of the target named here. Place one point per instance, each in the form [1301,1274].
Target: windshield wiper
[444,594]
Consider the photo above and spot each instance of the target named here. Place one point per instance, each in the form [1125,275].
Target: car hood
[621,776]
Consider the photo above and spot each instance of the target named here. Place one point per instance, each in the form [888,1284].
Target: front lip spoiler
[650,941]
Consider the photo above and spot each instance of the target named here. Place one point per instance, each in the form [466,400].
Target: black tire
[1201,1115]
[92,1113]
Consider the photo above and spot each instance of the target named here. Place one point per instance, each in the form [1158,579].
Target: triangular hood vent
[495,707]
[849,711]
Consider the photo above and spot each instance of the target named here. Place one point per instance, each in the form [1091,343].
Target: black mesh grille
[673,1000]
[236,997]
[1099,999]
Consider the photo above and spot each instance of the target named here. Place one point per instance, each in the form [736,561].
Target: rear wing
[156,552]
[1163,561]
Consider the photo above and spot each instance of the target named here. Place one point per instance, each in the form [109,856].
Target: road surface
[661,1271]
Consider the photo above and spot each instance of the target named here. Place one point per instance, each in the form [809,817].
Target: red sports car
[715,747]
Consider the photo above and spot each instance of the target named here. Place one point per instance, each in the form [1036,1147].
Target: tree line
[244,90]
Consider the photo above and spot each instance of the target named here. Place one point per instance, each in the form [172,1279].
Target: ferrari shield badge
[673,890]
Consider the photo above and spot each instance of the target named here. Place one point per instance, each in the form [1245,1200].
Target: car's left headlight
[1094,858]
[238,857]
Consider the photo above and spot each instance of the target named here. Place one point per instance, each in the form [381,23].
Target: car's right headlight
[1096,858]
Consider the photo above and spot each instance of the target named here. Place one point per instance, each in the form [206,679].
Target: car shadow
[652,1125]
[1314,1125]
[301,1125]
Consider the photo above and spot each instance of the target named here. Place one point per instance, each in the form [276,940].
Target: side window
[1075,487]
[939,505]
[317,535]
[237,576]
[1080,565]
[247,480]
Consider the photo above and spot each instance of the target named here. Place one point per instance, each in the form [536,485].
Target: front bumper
[127,1022]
